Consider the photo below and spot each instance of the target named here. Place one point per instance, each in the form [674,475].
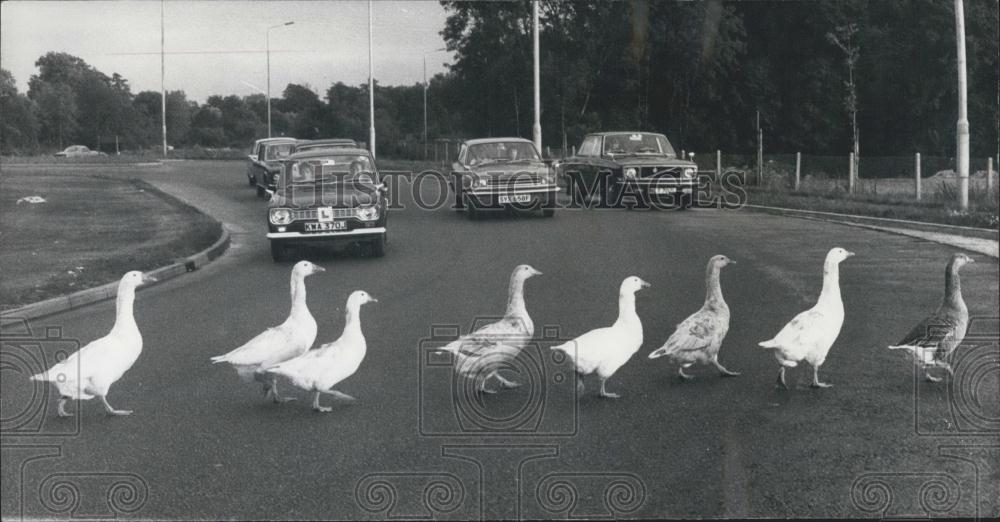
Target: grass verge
[89,231]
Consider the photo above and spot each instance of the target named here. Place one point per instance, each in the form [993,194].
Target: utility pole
[371,86]
[425,96]
[962,136]
[537,127]
[267,51]
[163,73]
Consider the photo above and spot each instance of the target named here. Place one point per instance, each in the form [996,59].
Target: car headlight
[280,216]
[548,177]
[480,181]
[630,173]
[688,173]
[366,213]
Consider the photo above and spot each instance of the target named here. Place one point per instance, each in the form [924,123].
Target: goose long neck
[952,287]
[298,284]
[352,318]
[515,298]
[713,289]
[831,282]
[124,306]
[626,307]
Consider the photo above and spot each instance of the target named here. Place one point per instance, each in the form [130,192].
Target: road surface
[202,444]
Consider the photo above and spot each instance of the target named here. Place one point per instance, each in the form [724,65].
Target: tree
[19,125]
[844,37]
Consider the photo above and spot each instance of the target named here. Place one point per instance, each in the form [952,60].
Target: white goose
[604,350]
[92,370]
[279,343]
[321,369]
[699,337]
[933,340]
[500,340]
[809,336]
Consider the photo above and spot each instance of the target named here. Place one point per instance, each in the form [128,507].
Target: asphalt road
[203,445]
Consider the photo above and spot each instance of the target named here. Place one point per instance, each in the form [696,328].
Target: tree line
[818,73]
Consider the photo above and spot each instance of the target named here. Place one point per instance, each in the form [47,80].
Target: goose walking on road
[279,343]
[699,337]
[92,370]
[933,340]
[321,369]
[809,336]
[604,350]
[502,339]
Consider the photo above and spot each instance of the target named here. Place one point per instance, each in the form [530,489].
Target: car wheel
[472,211]
[252,180]
[279,251]
[378,246]
[549,206]
[459,198]
[685,201]
[260,191]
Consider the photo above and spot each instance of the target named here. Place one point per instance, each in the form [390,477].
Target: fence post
[798,169]
[989,176]
[850,175]
[916,175]
[718,165]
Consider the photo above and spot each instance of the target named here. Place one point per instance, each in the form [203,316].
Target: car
[502,173]
[328,195]
[268,163]
[252,166]
[77,151]
[632,169]
[326,143]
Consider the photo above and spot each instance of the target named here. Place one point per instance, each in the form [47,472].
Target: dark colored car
[638,166]
[254,156]
[328,195]
[500,173]
[268,163]
[326,143]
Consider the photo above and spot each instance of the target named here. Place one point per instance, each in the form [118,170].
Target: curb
[110,290]
[979,240]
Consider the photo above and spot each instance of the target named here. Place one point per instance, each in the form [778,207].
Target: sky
[218,47]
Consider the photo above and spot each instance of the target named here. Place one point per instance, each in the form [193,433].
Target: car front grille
[514,180]
[649,172]
[312,214]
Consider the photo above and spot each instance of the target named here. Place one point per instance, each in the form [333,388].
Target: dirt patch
[89,231]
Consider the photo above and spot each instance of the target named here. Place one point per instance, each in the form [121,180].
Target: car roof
[266,141]
[320,153]
[326,140]
[607,133]
[479,141]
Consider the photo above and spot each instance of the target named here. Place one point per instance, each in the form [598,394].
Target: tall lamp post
[371,86]
[163,73]
[267,45]
[425,95]
[537,127]
[962,131]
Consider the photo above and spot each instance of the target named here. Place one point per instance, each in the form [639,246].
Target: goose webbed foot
[931,378]
[506,383]
[317,407]
[680,372]
[723,371]
[816,382]
[605,393]
[62,408]
[781,378]
[111,410]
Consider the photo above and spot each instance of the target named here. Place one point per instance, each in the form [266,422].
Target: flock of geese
[284,350]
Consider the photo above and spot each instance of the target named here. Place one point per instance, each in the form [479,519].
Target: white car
[76,151]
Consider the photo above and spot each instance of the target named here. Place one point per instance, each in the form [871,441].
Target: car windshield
[279,151]
[637,143]
[500,152]
[343,168]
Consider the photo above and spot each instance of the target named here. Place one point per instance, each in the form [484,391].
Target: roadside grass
[89,231]
[884,197]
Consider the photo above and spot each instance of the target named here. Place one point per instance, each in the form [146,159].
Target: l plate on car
[324,214]
[324,226]
[515,198]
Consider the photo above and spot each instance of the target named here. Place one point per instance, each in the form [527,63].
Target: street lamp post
[537,127]
[425,95]
[163,73]
[267,46]
[371,86]
[962,131]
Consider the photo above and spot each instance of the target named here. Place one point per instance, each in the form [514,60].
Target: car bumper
[333,234]
[503,191]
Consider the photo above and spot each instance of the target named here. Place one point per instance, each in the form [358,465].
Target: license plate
[325,226]
[515,198]
[660,190]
